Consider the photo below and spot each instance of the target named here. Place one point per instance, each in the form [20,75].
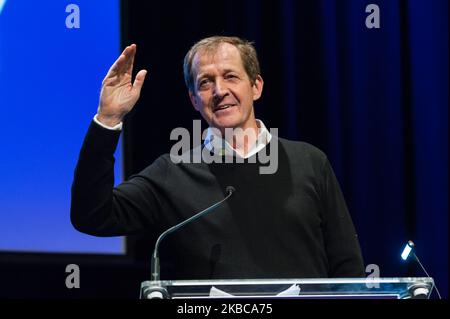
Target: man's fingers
[117,67]
[139,80]
[118,63]
[121,65]
[131,52]
[125,58]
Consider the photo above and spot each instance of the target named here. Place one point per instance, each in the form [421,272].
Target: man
[292,223]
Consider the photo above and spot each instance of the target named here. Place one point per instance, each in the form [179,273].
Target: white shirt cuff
[117,127]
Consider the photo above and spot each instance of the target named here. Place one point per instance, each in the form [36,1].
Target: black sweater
[291,224]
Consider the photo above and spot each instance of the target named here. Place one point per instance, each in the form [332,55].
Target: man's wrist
[108,123]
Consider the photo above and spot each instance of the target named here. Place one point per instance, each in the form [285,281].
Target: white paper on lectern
[214,292]
[293,290]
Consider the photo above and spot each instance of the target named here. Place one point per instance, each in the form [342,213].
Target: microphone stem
[423,268]
[155,256]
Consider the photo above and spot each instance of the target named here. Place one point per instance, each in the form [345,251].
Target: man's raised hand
[119,95]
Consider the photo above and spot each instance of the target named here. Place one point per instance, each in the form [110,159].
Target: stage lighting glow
[407,250]
[2,4]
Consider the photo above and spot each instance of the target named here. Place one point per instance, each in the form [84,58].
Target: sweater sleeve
[341,241]
[100,209]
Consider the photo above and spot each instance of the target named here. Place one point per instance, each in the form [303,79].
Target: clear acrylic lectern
[346,288]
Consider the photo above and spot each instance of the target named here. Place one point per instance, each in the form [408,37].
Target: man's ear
[193,98]
[258,87]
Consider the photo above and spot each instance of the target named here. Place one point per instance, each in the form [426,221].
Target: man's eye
[230,76]
[203,82]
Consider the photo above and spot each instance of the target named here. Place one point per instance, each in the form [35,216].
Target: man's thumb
[139,80]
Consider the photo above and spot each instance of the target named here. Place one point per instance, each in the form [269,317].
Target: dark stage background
[374,100]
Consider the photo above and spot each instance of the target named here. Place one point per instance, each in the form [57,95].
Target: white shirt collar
[219,146]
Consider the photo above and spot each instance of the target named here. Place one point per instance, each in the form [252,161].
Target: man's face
[223,92]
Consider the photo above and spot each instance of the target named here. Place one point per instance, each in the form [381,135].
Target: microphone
[410,250]
[155,266]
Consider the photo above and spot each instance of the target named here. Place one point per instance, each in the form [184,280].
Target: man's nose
[220,89]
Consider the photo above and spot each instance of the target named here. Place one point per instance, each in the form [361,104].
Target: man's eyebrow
[202,75]
[206,74]
[229,70]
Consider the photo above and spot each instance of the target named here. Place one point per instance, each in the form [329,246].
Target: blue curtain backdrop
[385,101]
[383,94]
[375,100]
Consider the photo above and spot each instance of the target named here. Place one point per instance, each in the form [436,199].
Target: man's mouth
[222,107]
